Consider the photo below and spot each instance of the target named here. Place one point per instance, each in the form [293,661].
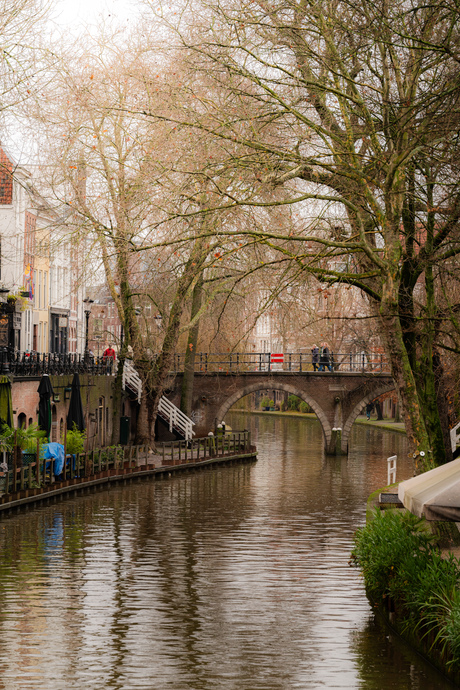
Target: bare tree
[132,197]
[348,111]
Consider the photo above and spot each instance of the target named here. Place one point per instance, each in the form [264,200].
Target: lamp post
[87,308]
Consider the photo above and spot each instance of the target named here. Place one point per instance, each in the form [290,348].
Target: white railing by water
[391,479]
[176,419]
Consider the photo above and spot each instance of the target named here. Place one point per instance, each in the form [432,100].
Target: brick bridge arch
[336,398]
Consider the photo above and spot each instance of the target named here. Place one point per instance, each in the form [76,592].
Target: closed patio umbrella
[75,415]
[434,495]
[6,403]
[45,391]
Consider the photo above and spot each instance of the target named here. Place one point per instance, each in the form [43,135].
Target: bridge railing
[350,362]
[39,363]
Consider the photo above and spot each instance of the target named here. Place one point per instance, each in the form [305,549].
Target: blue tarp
[55,451]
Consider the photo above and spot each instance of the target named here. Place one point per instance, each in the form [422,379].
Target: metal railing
[39,363]
[177,420]
[347,362]
[131,379]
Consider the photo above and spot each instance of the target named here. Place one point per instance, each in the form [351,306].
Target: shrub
[399,560]
[108,454]
[304,407]
[264,402]
[75,441]
[383,545]
[26,438]
[293,402]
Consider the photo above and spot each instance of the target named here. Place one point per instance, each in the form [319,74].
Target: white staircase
[177,420]
[131,379]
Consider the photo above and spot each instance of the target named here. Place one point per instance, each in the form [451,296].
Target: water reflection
[232,578]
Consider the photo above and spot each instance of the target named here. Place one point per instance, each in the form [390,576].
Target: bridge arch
[280,386]
[384,387]
[335,397]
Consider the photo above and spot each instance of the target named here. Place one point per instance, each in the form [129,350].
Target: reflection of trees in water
[383,660]
[224,573]
[341,481]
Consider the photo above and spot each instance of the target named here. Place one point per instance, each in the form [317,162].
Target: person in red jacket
[108,357]
[109,353]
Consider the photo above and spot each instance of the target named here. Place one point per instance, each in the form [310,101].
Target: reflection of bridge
[336,397]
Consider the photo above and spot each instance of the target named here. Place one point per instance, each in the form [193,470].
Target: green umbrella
[6,402]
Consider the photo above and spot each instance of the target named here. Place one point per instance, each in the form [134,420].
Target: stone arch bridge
[336,397]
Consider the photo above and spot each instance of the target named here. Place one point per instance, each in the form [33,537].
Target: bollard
[391,479]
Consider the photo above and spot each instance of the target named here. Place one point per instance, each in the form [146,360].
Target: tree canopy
[350,112]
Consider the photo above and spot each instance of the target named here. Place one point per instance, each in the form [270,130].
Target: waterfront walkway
[35,482]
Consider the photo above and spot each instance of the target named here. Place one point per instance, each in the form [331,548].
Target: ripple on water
[227,579]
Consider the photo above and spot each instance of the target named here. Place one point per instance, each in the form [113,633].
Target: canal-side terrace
[30,479]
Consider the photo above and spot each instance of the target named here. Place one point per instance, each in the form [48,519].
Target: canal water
[228,579]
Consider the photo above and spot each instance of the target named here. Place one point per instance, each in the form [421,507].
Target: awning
[434,495]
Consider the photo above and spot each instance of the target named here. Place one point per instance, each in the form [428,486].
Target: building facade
[41,285]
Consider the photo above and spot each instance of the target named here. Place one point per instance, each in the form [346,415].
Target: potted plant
[75,441]
[26,438]
[265,403]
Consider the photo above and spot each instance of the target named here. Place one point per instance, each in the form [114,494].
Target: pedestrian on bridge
[109,356]
[315,356]
[325,358]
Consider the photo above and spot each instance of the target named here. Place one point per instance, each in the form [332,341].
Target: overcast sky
[74,14]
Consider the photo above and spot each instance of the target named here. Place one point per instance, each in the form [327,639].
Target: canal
[230,579]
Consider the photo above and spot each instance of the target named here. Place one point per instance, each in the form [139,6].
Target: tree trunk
[155,378]
[403,376]
[190,353]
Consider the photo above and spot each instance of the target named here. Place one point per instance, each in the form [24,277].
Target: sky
[75,14]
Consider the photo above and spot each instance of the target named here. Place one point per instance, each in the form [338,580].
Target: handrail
[204,448]
[52,363]
[176,418]
[300,362]
[37,364]
[131,379]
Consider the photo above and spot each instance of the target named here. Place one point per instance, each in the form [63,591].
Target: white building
[40,285]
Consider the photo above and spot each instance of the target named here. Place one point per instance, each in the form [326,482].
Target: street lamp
[87,308]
